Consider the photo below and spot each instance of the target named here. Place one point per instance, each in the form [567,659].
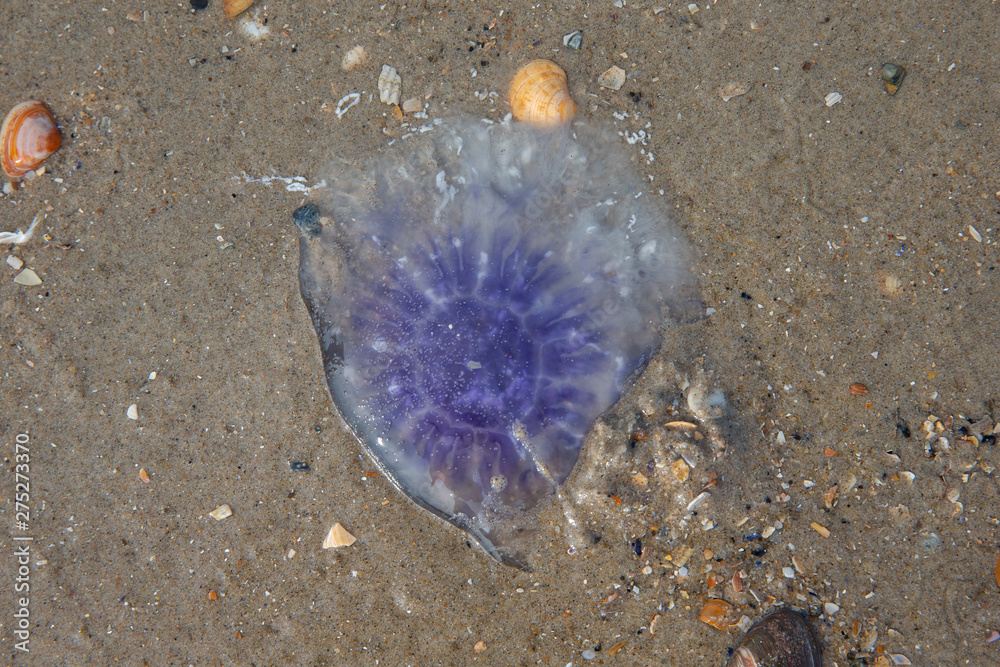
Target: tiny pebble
[14,262]
[789,572]
[767,532]
[647,570]
[589,654]
[830,608]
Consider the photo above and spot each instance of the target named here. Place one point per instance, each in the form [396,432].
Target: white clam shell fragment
[354,57]
[338,537]
[613,78]
[27,278]
[389,85]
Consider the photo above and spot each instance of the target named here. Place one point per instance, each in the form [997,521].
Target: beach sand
[835,244]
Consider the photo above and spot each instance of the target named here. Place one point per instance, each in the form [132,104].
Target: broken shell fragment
[389,85]
[613,78]
[412,105]
[28,136]
[28,278]
[783,638]
[234,8]
[893,76]
[221,512]
[354,57]
[717,613]
[338,537]
[540,94]
[573,40]
[731,90]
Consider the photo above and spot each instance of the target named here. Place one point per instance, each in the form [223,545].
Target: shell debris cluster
[28,136]
[539,94]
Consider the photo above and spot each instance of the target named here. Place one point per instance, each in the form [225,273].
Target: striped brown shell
[28,136]
[539,94]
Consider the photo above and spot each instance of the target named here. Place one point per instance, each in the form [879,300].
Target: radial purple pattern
[480,300]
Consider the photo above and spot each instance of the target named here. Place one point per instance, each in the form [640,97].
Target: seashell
[539,94]
[573,40]
[234,8]
[389,85]
[717,613]
[613,78]
[893,76]
[28,136]
[338,537]
[783,638]
[353,57]
[858,389]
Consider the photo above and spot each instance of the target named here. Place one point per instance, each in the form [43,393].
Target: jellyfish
[481,295]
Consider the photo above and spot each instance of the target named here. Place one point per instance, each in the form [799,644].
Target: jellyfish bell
[481,296]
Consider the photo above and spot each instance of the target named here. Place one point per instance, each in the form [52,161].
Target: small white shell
[389,85]
[354,57]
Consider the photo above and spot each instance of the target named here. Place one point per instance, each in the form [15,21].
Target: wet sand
[832,242]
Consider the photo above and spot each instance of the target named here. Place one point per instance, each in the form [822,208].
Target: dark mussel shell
[783,638]
[893,76]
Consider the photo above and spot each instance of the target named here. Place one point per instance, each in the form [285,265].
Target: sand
[834,244]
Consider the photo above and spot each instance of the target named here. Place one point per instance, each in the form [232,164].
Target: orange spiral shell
[539,94]
[28,136]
